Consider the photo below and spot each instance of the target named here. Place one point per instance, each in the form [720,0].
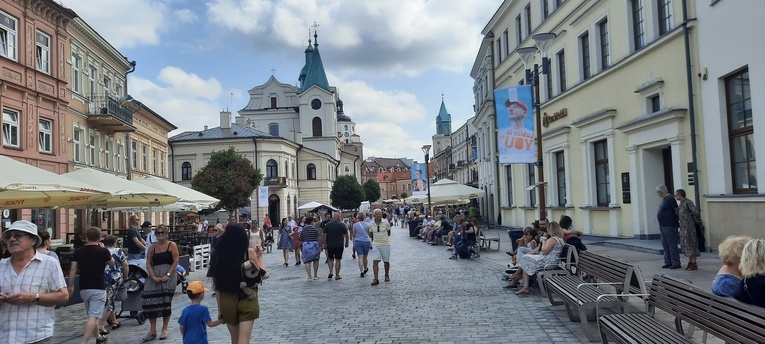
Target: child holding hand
[195,318]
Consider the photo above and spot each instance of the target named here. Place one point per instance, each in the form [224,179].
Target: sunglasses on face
[16,234]
[160,233]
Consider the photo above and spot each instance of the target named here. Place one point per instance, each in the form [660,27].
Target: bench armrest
[597,301]
[579,287]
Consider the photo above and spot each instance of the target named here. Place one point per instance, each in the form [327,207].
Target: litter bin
[413,228]
[515,233]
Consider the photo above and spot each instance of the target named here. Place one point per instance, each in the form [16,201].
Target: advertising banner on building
[263,196]
[515,123]
[419,179]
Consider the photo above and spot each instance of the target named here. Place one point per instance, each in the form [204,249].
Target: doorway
[273,210]
[666,155]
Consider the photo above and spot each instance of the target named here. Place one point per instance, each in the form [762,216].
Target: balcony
[106,112]
[277,182]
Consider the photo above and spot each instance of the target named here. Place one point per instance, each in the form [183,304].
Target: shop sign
[546,119]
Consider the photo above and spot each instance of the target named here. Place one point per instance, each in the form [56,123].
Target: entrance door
[666,155]
[273,210]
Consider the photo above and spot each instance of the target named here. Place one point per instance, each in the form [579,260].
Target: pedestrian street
[430,299]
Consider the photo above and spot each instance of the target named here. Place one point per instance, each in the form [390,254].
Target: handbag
[700,239]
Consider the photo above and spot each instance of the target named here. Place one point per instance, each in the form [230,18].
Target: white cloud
[184,99]
[383,37]
[185,15]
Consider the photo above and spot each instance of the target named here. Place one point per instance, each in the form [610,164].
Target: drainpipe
[494,137]
[128,144]
[691,107]
[172,161]
[257,200]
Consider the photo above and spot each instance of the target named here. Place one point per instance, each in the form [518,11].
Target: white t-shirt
[150,239]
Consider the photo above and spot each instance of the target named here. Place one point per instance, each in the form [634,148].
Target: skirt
[296,245]
[285,242]
[158,296]
[311,251]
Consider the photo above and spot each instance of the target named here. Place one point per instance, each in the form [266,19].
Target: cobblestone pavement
[429,299]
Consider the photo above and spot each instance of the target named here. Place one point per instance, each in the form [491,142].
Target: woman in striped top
[311,250]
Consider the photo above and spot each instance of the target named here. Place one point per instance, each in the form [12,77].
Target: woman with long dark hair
[285,241]
[236,309]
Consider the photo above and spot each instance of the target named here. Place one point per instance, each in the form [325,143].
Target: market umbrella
[310,205]
[125,193]
[186,195]
[25,186]
[447,190]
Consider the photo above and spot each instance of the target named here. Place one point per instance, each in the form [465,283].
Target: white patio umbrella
[447,190]
[24,186]
[125,193]
[310,205]
[185,194]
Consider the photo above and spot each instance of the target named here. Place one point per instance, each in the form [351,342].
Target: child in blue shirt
[196,317]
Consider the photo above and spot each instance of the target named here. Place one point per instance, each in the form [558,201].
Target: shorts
[94,300]
[335,253]
[235,311]
[378,253]
[362,247]
[296,245]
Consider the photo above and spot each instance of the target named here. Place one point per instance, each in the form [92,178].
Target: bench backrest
[606,269]
[725,318]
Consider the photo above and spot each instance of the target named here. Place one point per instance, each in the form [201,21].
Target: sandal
[375,282]
[163,336]
[116,326]
[103,332]
[337,278]
[102,340]
[149,337]
[523,291]
[387,279]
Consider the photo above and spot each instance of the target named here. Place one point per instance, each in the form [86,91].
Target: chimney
[225,120]
[299,138]
[205,127]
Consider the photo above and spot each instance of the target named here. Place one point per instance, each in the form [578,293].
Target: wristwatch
[168,274]
[37,298]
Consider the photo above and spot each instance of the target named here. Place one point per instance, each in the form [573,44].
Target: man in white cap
[31,284]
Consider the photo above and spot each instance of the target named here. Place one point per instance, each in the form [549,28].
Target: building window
[561,55]
[558,3]
[665,16]
[527,11]
[11,128]
[42,53]
[93,148]
[76,76]
[638,22]
[509,173]
[77,137]
[741,132]
[186,171]
[518,30]
[154,161]
[602,179]
[310,171]
[108,154]
[560,178]
[584,43]
[507,42]
[8,36]
[605,45]
[545,9]
[118,89]
[499,50]
[272,169]
[144,159]
[654,103]
[92,77]
[273,129]
[119,156]
[45,135]
[273,102]
[134,154]
[161,164]
[316,127]
[532,180]
[549,85]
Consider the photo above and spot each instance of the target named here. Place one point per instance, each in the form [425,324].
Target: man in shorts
[335,239]
[91,260]
[379,231]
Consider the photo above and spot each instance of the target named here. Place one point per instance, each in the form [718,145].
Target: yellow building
[615,109]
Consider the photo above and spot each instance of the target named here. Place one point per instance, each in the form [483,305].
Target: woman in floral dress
[689,216]
[544,255]
[285,241]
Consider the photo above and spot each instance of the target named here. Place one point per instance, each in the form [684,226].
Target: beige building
[615,109]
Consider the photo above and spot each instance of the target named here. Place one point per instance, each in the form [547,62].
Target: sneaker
[101,340]
[450,249]
[666,266]
[674,267]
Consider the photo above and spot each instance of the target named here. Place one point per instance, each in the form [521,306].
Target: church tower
[442,139]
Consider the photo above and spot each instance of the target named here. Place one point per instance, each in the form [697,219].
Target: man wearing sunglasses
[31,285]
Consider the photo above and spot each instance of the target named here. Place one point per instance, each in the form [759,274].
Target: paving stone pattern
[429,299]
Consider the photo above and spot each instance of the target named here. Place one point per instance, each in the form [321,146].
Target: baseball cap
[521,104]
[26,227]
[196,287]
[146,224]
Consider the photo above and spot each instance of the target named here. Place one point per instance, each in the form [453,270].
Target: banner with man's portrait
[419,179]
[515,123]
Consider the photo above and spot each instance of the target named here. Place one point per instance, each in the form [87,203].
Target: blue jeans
[669,240]
[462,247]
[132,256]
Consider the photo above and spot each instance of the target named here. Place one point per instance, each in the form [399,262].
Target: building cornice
[672,114]
[594,117]
[50,11]
[82,27]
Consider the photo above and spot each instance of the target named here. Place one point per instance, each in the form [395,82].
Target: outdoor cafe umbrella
[185,194]
[125,193]
[447,190]
[24,186]
[312,206]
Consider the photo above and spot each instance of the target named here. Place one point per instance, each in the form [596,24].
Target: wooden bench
[567,266]
[725,318]
[583,291]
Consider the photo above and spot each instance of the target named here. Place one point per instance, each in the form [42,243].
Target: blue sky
[390,59]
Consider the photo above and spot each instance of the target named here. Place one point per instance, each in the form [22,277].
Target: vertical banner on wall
[419,179]
[515,123]
[262,196]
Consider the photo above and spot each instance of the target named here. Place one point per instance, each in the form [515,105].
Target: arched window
[273,129]
[316,123]
[186,171]
[310,171]
[272,169]
[346,127]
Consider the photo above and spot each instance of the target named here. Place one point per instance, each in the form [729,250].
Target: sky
[391,60]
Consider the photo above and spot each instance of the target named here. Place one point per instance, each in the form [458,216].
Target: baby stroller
[269,238]
[132,303]
[182,278]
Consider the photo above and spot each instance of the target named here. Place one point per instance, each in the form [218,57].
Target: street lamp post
[426,150]
[543,42]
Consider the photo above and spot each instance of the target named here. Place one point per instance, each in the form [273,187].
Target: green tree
[346,193]
[371,190]
[228,177]
[404,195]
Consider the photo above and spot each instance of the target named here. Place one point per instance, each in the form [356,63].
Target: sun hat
[26,227]
[196,287]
